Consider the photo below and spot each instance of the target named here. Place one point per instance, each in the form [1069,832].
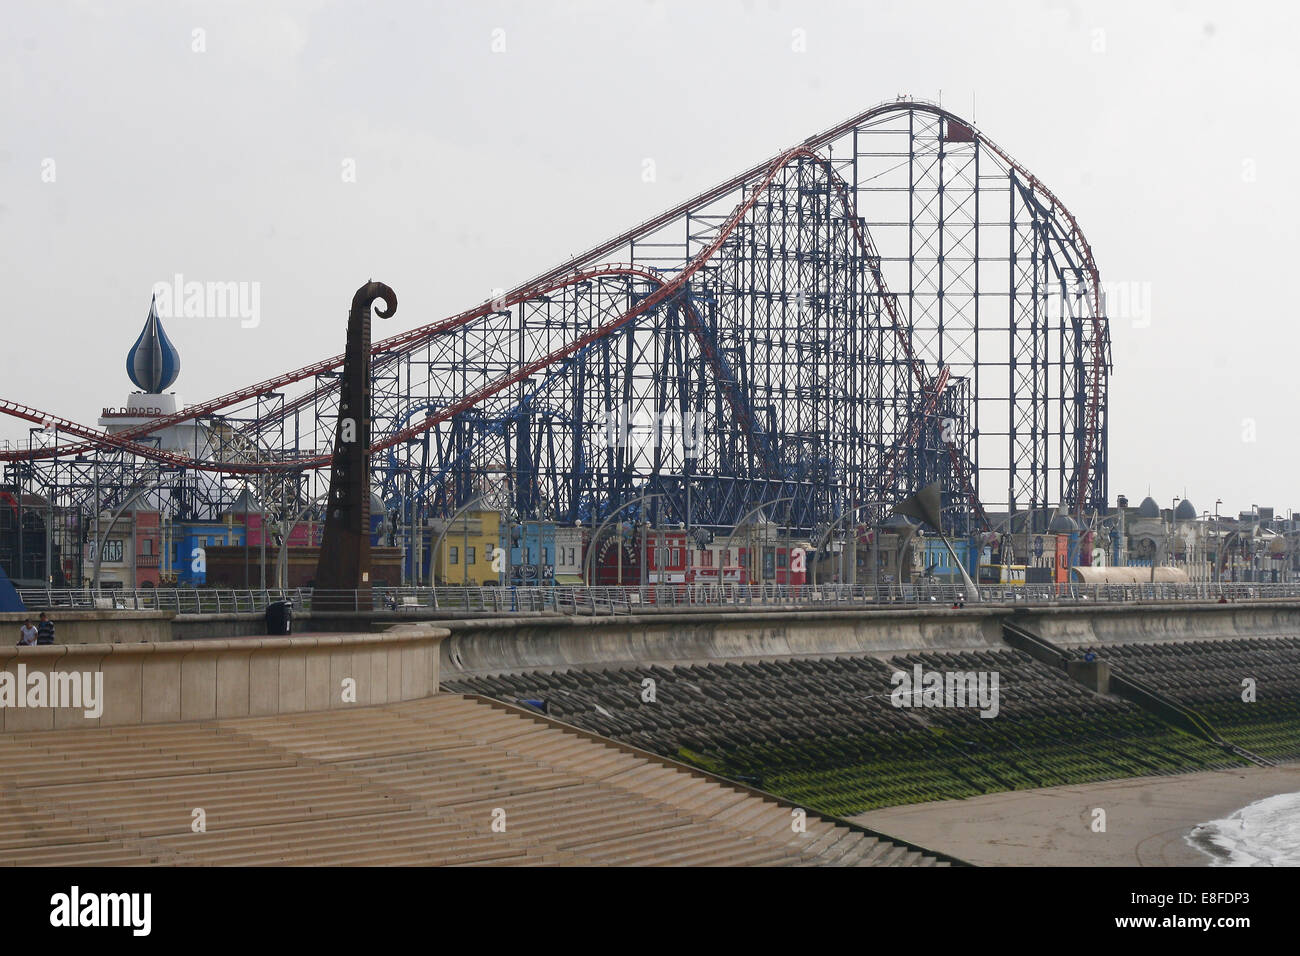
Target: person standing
[27,634]
[45,630]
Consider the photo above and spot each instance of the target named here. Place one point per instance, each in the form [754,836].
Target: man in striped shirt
[45,630]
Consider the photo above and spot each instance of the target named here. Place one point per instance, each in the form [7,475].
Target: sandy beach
[1146,819]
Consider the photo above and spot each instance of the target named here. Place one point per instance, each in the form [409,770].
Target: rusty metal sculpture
[344,562]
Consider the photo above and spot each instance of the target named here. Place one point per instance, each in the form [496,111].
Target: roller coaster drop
[893,301]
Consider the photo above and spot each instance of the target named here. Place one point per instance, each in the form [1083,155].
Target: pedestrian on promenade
[45,630]
[27,634]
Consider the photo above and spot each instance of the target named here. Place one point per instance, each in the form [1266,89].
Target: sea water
[1265,833]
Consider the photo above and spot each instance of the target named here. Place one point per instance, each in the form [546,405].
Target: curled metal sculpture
[344,562]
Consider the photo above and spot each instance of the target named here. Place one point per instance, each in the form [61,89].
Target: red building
[670,557]
[781,563]
[148,548]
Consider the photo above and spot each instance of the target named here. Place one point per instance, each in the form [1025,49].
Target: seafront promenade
[1148,819]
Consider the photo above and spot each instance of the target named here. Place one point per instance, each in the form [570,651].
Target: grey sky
[1162,126]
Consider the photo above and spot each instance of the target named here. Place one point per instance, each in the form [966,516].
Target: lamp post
[1099,528]
[1010,524]
[643,558]
[1254,525]
[506,515]
[434,554]
[1216,573]
[1169,537]
[282,559]
[591,548]
[262,549]
[747,515]
[972,589]
[826,537]
[102,534]
[1204,536]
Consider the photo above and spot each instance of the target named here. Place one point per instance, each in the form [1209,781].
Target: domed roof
[245,503]
[1186,511]
[1148,508]
[153,362]
[1062,524]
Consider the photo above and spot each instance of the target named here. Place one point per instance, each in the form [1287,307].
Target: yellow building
[465,556]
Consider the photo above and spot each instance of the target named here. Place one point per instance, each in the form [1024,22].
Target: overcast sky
[1163,126]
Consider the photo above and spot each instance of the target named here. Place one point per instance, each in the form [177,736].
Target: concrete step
[402,784]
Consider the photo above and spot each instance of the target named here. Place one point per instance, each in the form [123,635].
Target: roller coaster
[893,301]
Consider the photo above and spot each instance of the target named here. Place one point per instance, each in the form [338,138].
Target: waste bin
[279,617]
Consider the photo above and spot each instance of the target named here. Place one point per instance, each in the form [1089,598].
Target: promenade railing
[611,600]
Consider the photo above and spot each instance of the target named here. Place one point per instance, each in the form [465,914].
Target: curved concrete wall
[1156,623]
[194,627]
[513,645]
[94,627]
[496,645]
[164,682]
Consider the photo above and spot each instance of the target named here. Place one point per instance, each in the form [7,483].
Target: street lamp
[282,559]
[1204,539]
[826,537]
[591,547]
[1216,573]
[746,516]
[163,475]
[1010,525]
[436,552]
[1173,517]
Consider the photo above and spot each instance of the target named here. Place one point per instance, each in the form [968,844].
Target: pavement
[1146,819]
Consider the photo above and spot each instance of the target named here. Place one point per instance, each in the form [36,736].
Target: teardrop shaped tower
[153,362]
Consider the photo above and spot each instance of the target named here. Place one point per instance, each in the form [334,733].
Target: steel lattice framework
[893,301]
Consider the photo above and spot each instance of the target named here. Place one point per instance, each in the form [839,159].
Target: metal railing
[566,599]
[181,600]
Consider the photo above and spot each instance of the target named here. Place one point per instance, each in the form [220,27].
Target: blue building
[189,536]
[939,563]
[532,552]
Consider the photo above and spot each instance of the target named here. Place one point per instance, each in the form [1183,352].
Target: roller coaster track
[665,289]
[576,271]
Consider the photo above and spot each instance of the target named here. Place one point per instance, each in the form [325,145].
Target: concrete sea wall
[167,681]
[95,627]
[503,644]
[506,645]
[1155,623]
